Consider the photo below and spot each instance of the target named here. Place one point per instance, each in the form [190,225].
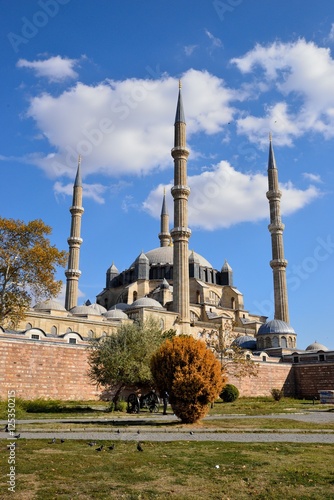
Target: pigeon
[92,443]
[99,448]
[139,447]
[6,428]
[191,433]
[118,431]
[62,440]
[17,436]
[53,441]
[111,447]
[138,431]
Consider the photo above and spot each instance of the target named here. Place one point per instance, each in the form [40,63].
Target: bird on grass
[111,447]
[191,433]
[139,447]
[138,431]
[100,448]
[118,431]
[62,440]
[6,429]
[92,443]
[53,441]
[17,436]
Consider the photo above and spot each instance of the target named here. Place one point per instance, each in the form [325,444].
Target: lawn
[180,470]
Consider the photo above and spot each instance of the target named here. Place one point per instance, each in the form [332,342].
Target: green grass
[180,470]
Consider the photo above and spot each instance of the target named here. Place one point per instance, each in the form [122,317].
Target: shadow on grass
[124,423]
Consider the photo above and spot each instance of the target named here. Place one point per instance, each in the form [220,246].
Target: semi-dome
[245,342]
[146,302]
[275,326]
[316,346]
[115,314]
[164,255]
[84,310]
[48,305]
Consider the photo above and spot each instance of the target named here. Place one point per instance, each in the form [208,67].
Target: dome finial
[270,136]
[180,84]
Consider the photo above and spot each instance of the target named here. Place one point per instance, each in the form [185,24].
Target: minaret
[164,235]
[276,228]
[180,233]
[74,241]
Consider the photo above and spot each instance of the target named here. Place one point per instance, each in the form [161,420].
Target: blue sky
[101,79]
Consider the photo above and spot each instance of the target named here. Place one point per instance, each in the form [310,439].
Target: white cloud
[189,49]
[331,33]
[93,191]
[302,74]
[54,69]
[312,177]
[126,127]
[216,42]
[223,197]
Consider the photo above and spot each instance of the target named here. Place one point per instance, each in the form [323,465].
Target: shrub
[229,394]
[277,394]
[191,375]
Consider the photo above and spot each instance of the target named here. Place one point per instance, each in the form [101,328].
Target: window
[248,357]
[321,357]
[35,336]
[264,358]
[53,330]
[72,341]
[295,359]
[68,330]
[28,326]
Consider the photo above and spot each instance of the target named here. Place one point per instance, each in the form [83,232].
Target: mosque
[182,290]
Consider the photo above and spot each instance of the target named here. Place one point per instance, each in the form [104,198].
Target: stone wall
[37,369]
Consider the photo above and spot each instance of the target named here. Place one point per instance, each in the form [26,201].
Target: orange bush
[190,373]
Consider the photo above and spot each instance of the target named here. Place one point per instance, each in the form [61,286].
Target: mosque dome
[84,311]
[275,326]
[245,342]
[100,309]
[316,346]
[48,305]
[121,305]
[164,255]
[146,302]
[115,314]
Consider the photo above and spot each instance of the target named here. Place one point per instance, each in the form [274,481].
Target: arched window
[162,324]
[283,342]
[90,334]
[260,343]
[135,295]
[28,326]
[267,342]
[198,297]
[275,342]
[54,330]
[232,303]
[68,330]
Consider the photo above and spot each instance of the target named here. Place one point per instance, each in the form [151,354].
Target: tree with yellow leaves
[190,373]
[28,265]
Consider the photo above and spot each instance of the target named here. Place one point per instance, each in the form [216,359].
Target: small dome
[48,305]
[245,342]
[84,310]
[315,346]
[275,326]
[146,302]
[121,305]
[100,309]
[115,314]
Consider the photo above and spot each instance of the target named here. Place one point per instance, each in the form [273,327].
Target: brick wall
[312,378]
[269,376]
[37,370]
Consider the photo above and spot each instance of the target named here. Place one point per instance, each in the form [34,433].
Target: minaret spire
[276,228]
[180,233]
[74,241]
[164,235]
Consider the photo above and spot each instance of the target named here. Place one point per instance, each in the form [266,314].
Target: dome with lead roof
[146,302]
[48,305]
[316,346]
[164,255]
[115,314]
[275,326]
[84,311]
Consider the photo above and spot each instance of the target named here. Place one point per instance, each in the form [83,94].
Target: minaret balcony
[278,263]
[180,191]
